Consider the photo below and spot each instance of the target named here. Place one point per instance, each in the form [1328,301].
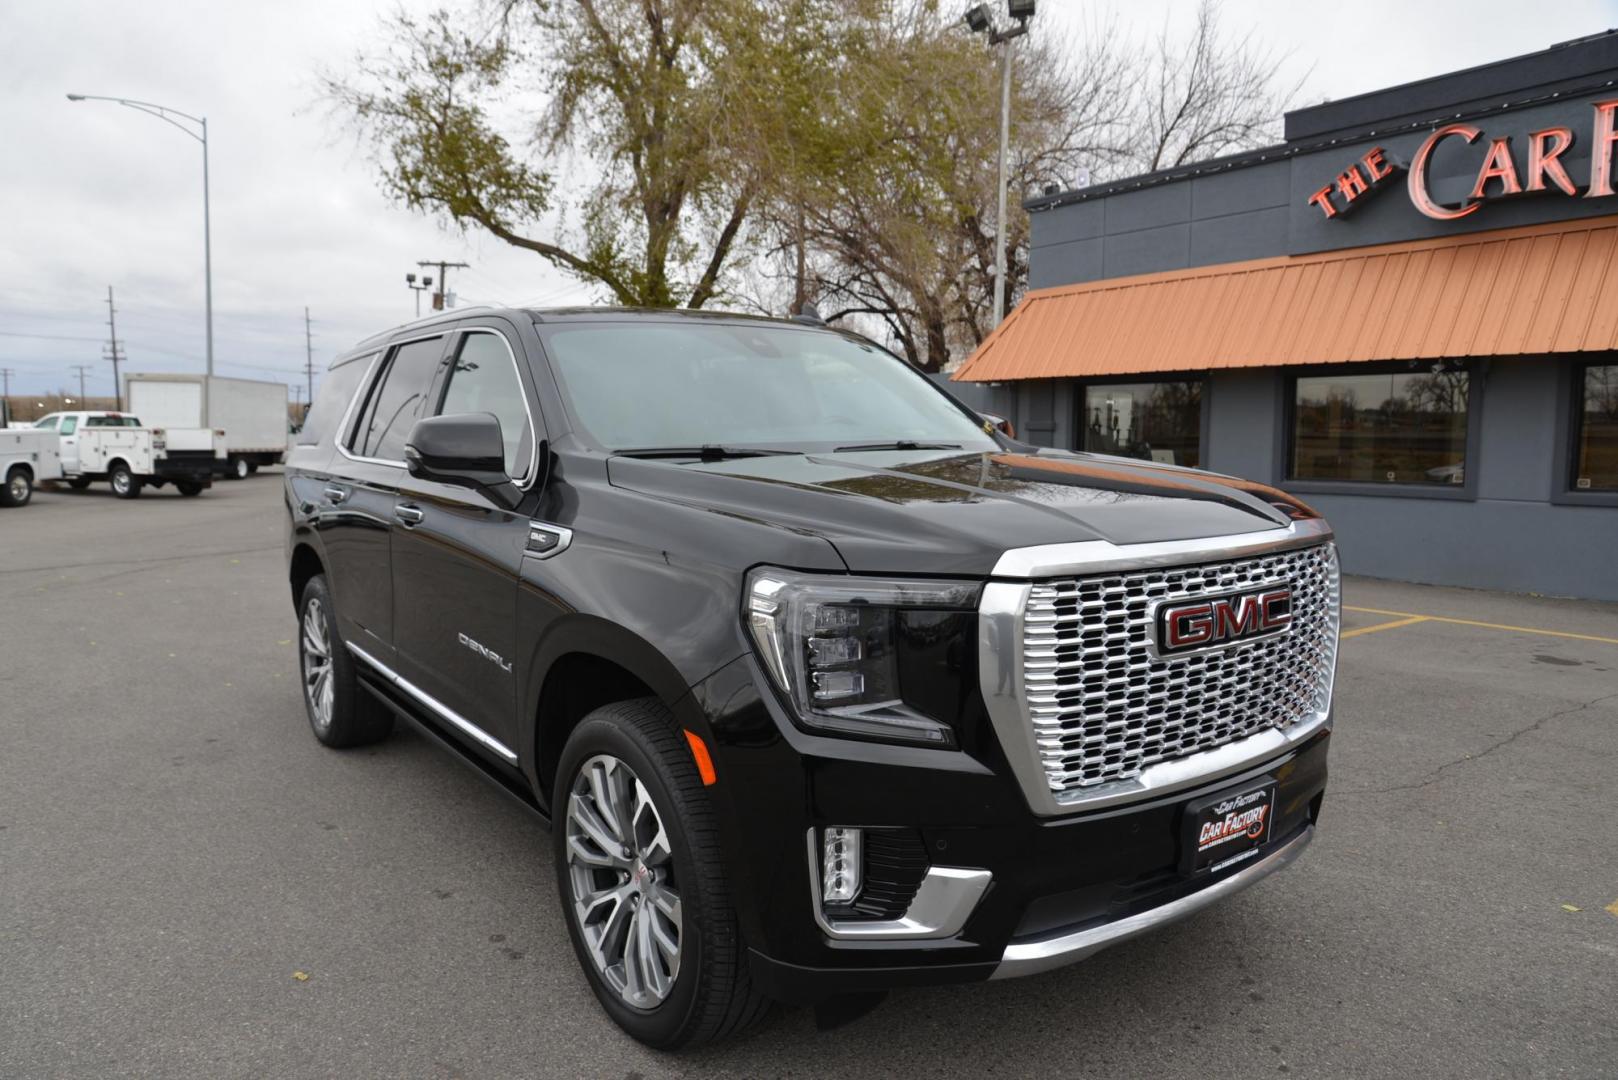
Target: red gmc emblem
[1207,621]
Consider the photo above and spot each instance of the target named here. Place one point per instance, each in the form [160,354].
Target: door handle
[336,494]
[409,515]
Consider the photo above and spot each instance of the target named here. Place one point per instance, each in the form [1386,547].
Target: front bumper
[1059,888]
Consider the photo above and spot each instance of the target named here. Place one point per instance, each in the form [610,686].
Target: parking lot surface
[191,886]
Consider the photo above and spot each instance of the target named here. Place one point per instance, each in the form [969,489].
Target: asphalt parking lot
[176,851]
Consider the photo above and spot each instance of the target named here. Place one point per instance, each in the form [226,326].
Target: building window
[1155,421]
[1595,446]
[1391,428]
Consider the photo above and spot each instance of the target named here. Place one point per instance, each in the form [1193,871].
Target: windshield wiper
[902,444]
[706,452]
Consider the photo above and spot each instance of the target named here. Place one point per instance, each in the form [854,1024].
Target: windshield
[664,384]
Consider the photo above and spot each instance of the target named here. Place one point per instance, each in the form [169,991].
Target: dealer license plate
[1225,829]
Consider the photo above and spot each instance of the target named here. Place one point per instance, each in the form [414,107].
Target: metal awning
[1531,290]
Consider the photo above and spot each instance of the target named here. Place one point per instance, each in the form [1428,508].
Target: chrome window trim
[449,715]
[533,450]
[1000,669]
[946,899]
[1031,957]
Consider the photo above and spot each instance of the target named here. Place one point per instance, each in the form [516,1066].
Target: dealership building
[1406,314]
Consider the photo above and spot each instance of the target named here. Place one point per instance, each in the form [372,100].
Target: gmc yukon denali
[825,685]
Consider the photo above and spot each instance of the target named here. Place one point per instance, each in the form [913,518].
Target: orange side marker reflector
[699,753]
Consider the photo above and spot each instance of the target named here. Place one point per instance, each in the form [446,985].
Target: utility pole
[5,398]
[114,353]
[309,357]
[441,298]
[81,369]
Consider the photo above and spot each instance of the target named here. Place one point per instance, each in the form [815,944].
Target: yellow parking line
[1474,622]
[1384,626]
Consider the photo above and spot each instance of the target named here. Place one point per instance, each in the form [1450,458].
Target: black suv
[828,686]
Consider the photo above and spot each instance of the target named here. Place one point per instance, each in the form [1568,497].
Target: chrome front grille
[1104,706]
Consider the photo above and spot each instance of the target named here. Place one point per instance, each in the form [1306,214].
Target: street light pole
[166,114]
[1009,48]
[980,20]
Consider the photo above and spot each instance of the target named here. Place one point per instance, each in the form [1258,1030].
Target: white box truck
[251,413]
[27,457]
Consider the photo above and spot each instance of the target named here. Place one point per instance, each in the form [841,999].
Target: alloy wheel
[19,487]
[317,674]
[625,891]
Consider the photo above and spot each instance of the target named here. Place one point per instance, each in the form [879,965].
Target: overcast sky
[95,194]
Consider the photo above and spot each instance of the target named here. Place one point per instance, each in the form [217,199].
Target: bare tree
[1207,97]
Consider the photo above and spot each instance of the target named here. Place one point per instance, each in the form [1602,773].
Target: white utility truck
[117,448]
[27,457]
[253,414]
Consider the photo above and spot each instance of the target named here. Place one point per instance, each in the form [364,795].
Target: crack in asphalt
[139,562]
[1438,773]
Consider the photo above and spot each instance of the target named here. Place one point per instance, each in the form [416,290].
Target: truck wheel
[341,714]
[125,484]
[79,483]
[238,469]
[19,488]
[643,884]
[188,487]
[252,468]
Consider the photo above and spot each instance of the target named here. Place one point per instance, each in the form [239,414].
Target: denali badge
[485,652]
[1187,625]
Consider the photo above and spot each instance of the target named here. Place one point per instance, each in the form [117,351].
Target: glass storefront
[1388,428]
[1155,421]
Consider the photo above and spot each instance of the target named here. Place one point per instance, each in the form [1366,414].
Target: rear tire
[252,468]
[125,484]
[238,469]
[341,714]
[188,487]
[626,770]
[18,489]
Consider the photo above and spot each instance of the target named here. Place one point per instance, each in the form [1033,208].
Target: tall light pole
[980,20]
[168,115]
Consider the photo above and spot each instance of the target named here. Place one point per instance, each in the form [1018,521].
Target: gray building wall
[1513,526]
[1510,535]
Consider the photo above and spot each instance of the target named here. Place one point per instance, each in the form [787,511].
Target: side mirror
[465,450]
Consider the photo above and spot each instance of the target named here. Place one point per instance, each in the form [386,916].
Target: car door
[457,553]
[356,520]
[68,443]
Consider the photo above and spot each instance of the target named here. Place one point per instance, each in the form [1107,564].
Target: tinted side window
[49,423]
[484,380]
[331,400]
[396,403]
[70,424]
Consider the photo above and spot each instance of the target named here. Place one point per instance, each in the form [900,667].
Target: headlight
[832,646]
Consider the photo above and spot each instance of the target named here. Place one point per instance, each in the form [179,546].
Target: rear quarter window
[336,391]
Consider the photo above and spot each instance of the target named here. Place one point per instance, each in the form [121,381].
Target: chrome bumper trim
[1028,958]
[946,899]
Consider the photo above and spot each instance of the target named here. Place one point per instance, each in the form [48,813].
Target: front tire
[125,484]
[340,713]
[18,489]
[642,879]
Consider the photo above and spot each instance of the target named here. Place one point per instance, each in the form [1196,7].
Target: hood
[947,512]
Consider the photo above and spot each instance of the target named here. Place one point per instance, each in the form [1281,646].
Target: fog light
[840,865]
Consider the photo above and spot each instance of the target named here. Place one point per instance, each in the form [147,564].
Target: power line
[113,353]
